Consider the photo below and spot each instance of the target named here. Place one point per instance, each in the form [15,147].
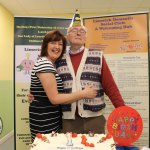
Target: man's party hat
[76,20]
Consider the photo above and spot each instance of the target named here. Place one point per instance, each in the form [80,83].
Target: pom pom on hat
[76,20]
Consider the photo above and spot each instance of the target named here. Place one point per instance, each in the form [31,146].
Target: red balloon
[125,125]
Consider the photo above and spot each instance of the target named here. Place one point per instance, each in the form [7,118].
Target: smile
[55,51]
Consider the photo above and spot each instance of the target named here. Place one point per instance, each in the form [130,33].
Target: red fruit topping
[91,145]
[108,136]
[87,144]
[44,138]
[83,137]
[83,141]
[39,135]
[74,135]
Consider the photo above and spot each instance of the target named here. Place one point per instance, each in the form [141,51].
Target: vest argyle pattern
[89,74]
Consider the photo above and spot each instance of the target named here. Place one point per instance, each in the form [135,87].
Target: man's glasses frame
[75,31]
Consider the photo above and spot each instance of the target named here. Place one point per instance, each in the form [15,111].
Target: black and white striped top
[43,65]
[44,116]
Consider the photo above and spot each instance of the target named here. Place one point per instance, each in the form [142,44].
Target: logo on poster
[26,65]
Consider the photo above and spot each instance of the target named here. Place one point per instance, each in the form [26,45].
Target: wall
[6,71]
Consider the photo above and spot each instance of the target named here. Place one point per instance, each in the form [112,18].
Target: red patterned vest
[89,73]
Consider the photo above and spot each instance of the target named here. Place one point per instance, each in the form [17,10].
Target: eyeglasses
[75,31]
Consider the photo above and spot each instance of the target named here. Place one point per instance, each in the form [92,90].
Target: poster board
[29,32]
[124,42]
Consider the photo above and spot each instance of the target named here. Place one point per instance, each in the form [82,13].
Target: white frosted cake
[73,142]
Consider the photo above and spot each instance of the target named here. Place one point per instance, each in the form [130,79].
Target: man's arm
[109,85]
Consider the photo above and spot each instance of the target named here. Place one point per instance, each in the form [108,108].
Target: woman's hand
[30,98]
[89,92]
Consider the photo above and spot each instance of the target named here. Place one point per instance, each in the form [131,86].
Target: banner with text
[124,42]
[29,33]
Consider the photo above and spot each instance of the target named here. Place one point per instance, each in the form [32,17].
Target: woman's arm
[50,86]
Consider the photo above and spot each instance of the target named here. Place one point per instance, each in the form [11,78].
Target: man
[78,68]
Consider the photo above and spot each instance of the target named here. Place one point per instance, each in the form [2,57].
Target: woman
[46,86]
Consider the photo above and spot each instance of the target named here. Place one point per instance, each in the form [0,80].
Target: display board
[29,33]
[124,42]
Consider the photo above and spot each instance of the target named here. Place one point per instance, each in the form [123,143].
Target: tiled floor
[8,145]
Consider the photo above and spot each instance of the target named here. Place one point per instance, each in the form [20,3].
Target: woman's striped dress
[44,117]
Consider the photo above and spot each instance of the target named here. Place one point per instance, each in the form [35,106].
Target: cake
[73,141]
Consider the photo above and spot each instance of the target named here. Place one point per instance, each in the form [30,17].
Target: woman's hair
[54,35]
